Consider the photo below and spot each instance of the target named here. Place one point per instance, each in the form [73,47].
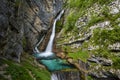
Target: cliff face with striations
[91,33]
[23,22]
[22,25]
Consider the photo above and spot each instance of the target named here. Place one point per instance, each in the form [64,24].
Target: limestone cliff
[23,22]
[91,33]
[22,25]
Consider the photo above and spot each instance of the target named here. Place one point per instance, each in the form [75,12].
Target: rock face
[71,75]
[114,47]
[102,61]
[100,21]
[23,22]
[66,75]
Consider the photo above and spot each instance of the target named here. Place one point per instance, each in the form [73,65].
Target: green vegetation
[26,70]
[39,74]
[77,8]
[90,78]
[18,3]
[24,43]
[2,78]
[86,3]
[107,36]
[93,12]
[94,20]
[79,55]
[18,72]
[116,62]
[71,19]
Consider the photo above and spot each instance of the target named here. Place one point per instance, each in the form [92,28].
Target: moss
[24,43]
[106,36]
[17,3]
[116,62]
[26,70]
[82,55]
[2,77]
[18,73]
[80,3]
[86,3]
[38,73]
[102,2]
[102,38]
[78,8]
[70,21]
[94,20]
[89,78]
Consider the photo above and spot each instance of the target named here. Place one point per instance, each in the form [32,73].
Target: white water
[36,49]
[54,77]
[48,52]
[50,43]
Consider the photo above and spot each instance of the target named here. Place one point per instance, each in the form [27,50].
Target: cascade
[54,77]
[52,62]
[48,58]
[50,43]
[48,54]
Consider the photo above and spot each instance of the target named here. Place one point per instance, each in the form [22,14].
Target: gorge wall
[22,25]
[23,22]
[91,33]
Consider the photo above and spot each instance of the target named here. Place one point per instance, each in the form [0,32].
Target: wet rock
[93,60]
[76,43]
[100,60]
[66,75]
[101,75]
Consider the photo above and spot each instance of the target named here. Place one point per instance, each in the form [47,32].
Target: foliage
[89,78]
[70,21]
[2,77]
[38,74]
[94,20]
[17,3]
[80,3]
[86,3]
[78,8]
[116,62]
[82,55]
[26,70]
[18,73]
[102,2]
[24,42]
[105,37]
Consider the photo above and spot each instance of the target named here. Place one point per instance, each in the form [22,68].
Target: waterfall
[66,75]
[50,43]
[48,54]
[50,60]
[54,77]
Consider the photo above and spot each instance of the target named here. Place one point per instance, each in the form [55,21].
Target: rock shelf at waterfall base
[48,58]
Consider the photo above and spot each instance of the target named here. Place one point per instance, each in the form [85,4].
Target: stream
[53,63]
[48,58]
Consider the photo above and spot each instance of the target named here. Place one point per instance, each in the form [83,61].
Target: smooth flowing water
[48,58]
[50,43]
[54,77]
[52,62]
[48,52]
